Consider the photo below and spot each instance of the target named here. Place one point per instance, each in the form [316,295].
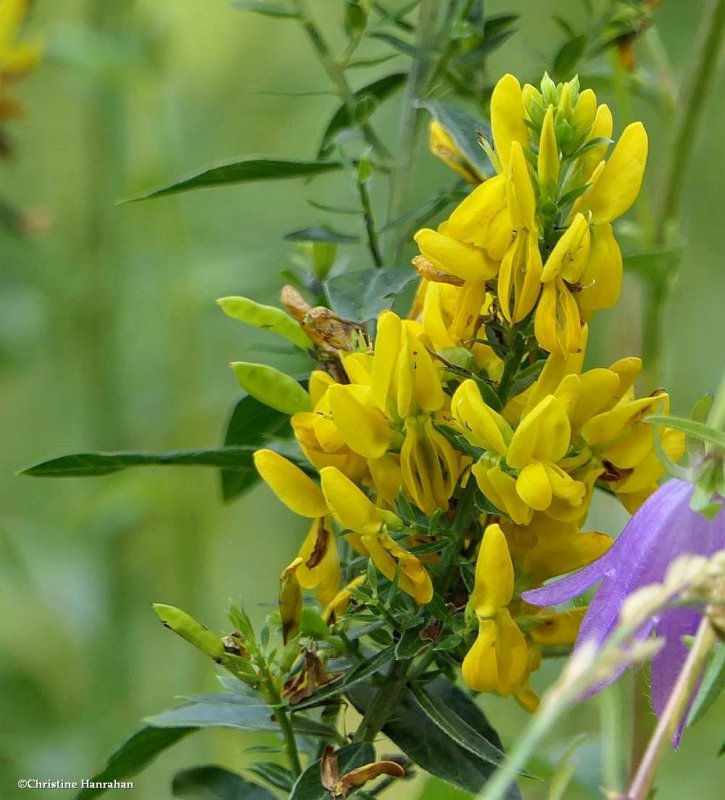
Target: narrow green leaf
[394,41]
[268,318]
[456,728]
[309,786]
[465,130]
[267,9]
[380,90]
[274,774]
[243,170]
[712,686]
[93,464]
[356,675]
[215,783]
[319,233]
[435,751]
[232,711]
[480,52]
[272,387]
[569,55]
[691,428]
[130,757]
[361,296]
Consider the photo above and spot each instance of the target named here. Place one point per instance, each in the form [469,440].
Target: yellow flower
[442,145]
[498,659]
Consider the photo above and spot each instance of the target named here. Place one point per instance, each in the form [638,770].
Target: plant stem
[285,724]
[689,112]
[383,703]
[511,367]
[402,179]
[371,232]
[337,76]
[676,706]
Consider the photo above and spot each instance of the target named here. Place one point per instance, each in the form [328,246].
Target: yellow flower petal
[520,191]
[601,279]
[548,162]
[320,567]
[619,183]
[533,486]
[543,435]
[494,581]
[513,653]
[385,361]
[601,129]
[482,426]
[364,428]
[295,489]
[350,506]
[507,118]
[570,254]
[455,257]
[480,666]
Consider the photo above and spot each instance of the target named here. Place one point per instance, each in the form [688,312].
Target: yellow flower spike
[493,587]
[584,113]
[482,218]
[543,435]
[507,118]
[557,323]
[482,426]
[348,504]
[558,627]
[339,603]
[385,361]
[441,144]
[520,191]
[513,653]
[364,428]
[320,567]
[548,162]
[480,666]
[390,558]
[601,279]
[569,257]
[519,282]
[455,257]
[295,489]
[290,600]
[619,183]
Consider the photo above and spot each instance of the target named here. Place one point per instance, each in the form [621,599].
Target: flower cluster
[457,450]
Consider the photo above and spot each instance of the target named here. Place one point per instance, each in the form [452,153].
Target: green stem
[690,107]
[684,688]
[285,724]
[512,364]
[385,700]
[337,76]
[370,231]
[402,179]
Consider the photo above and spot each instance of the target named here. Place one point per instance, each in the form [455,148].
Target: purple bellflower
[664,528]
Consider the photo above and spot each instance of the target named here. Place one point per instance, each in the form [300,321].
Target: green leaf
[712,686]
[480,52]
[361,672]
[274,774]
[130,757]
[436,752]
[394,41]
[232,711]
[569,56]
[308,785]
[465,129]
[320,233]
[250,423]
[272,387]
[361,296]
[93,464]
[379,90]
[691,428]
[268,318]
[456,728]
[215,783]
[410,643]
[267,9]
[243,170]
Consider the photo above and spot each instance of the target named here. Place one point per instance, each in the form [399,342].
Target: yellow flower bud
[548,162]
[507,118]
[290,600]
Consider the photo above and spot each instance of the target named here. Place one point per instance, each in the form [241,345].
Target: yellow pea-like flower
[484,427]
[520,191]
[508,118]
[557,321]
[352,508]
[442,145]
[363,427]
[498,659]
[391,559]
[601,279]
[494,579]
[519,281]
[557,627]
[548,161]
[569,257]
[320,567]
[455,257]
[543,435]
[295,489]
[618,184]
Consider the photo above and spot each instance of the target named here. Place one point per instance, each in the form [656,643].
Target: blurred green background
[110,339]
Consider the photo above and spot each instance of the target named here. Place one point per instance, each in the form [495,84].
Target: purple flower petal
[668,663]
